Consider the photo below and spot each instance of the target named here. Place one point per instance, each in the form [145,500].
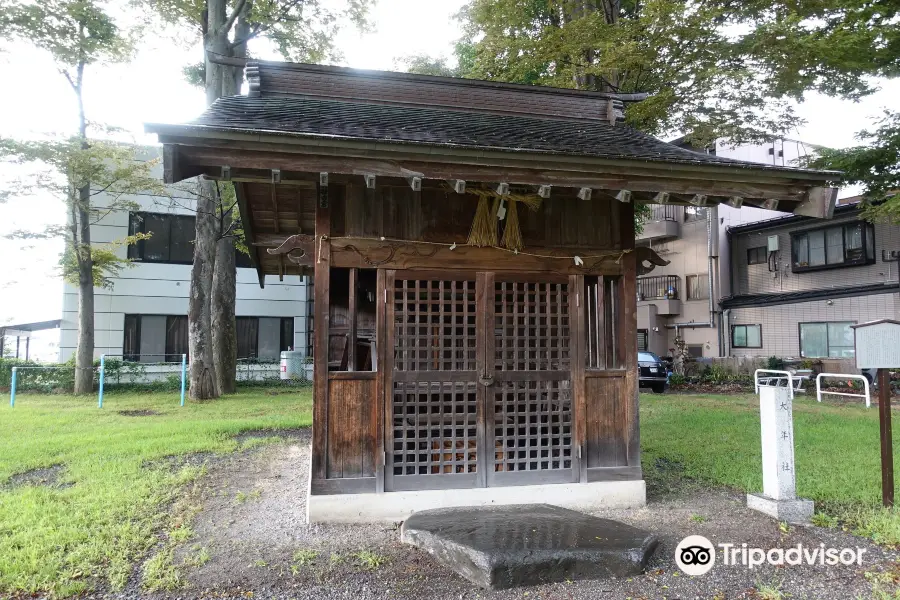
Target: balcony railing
[659,287]
[663,212]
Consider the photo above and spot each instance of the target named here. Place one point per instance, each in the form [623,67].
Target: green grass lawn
[68,539]
[716,439]
[65,539]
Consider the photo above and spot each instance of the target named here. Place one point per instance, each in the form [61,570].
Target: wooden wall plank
[350,431]
[604,421]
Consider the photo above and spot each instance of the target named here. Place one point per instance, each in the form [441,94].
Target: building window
[827,340]
[642,341]
[131,345]
[757,256]
[695,213]
[286,341]
[171,238]
[155,338]
[835,246]
[247,337]
[176,338]
[746,336]
[697,287]
[695,350]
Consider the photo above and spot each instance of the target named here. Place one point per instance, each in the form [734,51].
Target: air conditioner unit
[773,243]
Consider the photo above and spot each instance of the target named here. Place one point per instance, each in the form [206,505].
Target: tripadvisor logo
[695,555]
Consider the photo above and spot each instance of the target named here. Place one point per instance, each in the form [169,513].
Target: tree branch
[226,27]
[261,28]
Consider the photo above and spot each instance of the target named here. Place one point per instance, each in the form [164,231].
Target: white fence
[843,377]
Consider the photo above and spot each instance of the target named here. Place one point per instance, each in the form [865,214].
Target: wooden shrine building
[472,249]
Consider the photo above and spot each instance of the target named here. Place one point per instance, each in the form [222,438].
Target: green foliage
[775,363]
[75,32]
[702,81]
[106,264]
[111,172]
[422,64]
[369,560]
[676,379]
[722,68]
[300,31]
[874,164]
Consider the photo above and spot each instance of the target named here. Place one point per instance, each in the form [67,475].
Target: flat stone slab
[528,544]
[795,512]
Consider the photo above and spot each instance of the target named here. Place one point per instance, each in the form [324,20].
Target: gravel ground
[252,526]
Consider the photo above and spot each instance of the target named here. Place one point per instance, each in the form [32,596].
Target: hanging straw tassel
[512,235]
[484,225]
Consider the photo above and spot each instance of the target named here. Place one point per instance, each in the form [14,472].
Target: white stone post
[779,497]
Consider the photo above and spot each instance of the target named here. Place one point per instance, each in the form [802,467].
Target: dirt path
[252,530]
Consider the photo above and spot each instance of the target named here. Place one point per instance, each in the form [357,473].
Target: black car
[651,372]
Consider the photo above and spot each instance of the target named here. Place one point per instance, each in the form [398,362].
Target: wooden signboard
[878,347]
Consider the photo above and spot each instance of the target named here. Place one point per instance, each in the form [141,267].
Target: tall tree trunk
[223,299]
[224,330]
[200,335]
[84,351]
[202,372]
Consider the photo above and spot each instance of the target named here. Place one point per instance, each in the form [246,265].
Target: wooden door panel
[530,404]
[434,407]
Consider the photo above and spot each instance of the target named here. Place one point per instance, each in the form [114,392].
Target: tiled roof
[418,125]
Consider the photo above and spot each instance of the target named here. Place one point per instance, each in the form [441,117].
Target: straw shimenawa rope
[484,226]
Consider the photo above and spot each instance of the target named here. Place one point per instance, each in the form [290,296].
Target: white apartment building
[143,316]
[684,296]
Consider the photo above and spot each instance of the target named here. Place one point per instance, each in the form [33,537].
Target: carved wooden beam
[300,249]
[735,202]
[370,181]
[624,196]
[647,255]
[544,191]
[584,193]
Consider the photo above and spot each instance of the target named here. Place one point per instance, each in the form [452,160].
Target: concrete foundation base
[795,512]
[393,507]
[509,546]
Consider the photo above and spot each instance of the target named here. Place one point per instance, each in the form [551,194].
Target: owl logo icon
[695,555]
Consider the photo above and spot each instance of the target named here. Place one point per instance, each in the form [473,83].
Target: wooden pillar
[887,442]
[322,276]
[578,329]
[628,334]
[380,397]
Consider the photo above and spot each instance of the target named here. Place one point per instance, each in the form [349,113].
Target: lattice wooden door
[480,382]
[529,405]
[435,409]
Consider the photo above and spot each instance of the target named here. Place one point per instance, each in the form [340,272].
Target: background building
[143,316]
[684,296]
[798,284]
